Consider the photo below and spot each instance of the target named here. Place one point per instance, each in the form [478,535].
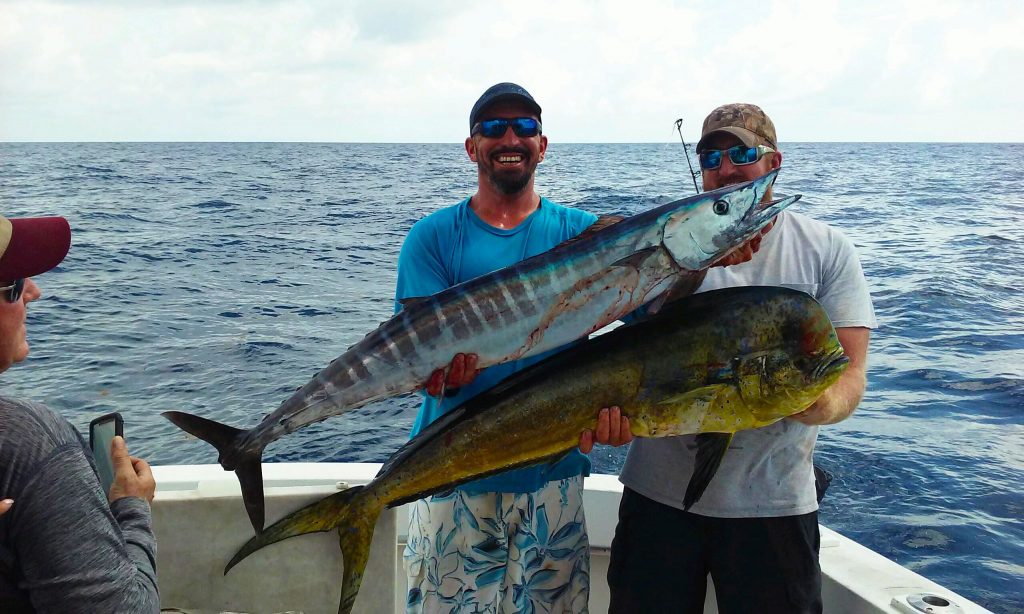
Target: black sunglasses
[495,128]
[13,291]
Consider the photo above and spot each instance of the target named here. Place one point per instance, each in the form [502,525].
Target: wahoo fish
[536,305]
[714,363]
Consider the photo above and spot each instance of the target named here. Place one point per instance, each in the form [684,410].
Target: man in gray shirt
[65,545]
[755,530]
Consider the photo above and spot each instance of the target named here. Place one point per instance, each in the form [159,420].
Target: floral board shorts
[499,552]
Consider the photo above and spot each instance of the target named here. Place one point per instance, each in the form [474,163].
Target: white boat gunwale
[200,522]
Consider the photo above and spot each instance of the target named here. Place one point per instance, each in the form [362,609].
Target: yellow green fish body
[713,363]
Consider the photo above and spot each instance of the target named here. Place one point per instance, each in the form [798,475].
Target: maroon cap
[32,245]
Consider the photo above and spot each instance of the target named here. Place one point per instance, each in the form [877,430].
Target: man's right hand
[132,476]
[461,371]
[612,429]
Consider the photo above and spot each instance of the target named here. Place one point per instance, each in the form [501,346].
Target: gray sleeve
[76,552]
[844,289]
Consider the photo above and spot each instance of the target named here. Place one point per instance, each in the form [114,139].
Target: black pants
[661,557]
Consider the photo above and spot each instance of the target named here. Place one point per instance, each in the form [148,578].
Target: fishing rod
[686,149]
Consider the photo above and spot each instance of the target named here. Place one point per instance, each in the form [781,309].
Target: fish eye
[721,207]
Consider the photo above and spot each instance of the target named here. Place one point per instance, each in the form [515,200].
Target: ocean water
[216,277]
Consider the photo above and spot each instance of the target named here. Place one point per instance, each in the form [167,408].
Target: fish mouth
[764,212]
[835,361]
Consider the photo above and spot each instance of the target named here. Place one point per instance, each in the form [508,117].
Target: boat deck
[200,522]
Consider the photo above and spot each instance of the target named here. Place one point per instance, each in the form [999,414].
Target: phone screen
[101,434]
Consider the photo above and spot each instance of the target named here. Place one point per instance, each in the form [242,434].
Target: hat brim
[529,104]
[32,245]
[745,136]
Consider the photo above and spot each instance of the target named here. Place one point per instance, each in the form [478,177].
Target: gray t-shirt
[63,548]
[766,471]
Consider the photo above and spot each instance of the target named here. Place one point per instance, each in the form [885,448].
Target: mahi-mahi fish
[539,304]
[714,363]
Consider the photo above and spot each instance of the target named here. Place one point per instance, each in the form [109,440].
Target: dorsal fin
[602,222]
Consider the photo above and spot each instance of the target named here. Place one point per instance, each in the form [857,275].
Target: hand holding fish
[612,429]
[744,252]
[835,404]
[460,372]
[839,400]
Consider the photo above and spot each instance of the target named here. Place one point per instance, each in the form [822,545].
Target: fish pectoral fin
[711,449]
[704,396]
[685,285]
[636,259]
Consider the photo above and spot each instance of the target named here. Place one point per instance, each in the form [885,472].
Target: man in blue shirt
[504,541]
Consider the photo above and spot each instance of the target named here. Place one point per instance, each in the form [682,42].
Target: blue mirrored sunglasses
[12,293]
[495,128]
[740,155]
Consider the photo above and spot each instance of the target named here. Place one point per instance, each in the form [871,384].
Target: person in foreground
[755,530]
[502,542]
[65,545]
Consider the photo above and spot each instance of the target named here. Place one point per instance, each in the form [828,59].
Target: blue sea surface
[215,278]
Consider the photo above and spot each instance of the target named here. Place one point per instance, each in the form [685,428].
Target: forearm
[134,516]
[78,555]
[839,401]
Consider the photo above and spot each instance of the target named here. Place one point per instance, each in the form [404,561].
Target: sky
[603,71]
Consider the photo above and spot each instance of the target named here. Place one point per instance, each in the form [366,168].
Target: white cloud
[409,71]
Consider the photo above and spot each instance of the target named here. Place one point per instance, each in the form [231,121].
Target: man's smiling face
[508,161]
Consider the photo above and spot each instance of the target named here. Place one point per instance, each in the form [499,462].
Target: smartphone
[102,431]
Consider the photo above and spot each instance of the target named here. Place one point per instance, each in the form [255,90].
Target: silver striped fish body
[536,305]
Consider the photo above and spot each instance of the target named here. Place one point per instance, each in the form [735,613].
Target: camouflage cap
[747,122]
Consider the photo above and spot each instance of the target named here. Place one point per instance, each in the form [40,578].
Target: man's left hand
[745,252]
[612,429]
[841,398]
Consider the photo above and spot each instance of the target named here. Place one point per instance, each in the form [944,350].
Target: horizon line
[300,142]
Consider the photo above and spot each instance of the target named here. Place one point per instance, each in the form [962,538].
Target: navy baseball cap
[502,91]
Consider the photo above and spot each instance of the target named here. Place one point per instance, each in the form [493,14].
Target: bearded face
[507,161]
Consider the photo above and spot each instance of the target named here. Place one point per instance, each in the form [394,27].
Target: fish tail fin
[353,512]
[247,465]
[355,551]
[250,478]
